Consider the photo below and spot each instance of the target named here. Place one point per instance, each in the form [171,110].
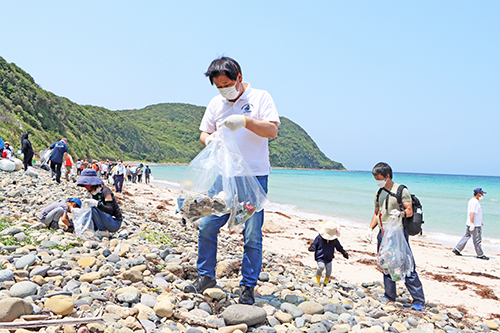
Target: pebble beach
[132,281]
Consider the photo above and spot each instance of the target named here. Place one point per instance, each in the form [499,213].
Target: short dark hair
[223,66]
[383,169]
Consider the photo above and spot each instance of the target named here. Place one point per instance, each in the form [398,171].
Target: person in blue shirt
[59,153]
[324,247]
[147,174]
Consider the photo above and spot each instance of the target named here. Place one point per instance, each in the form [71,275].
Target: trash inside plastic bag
[45,155]
[218,181]
[394,256]
[82,221]
[31,172]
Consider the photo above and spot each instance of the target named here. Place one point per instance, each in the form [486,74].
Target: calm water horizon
[348,198]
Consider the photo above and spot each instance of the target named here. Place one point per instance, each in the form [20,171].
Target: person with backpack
[386,202]
[474,225]
[58,155]
[147,174]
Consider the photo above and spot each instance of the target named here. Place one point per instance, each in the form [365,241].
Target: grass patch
[156,237]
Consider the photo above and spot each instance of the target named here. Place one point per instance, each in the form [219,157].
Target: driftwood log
[56,322]
[179,316]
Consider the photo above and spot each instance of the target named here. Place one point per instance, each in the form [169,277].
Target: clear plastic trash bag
[218,181]
[45,155]
[31,172]
[394,256]
[82,220]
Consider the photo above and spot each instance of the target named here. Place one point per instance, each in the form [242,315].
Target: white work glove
[471,228]
[235,121]
[211,137]
[369,235]
[90,202]
[396,213]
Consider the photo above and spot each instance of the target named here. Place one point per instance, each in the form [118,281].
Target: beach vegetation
[161,133]
[156,237]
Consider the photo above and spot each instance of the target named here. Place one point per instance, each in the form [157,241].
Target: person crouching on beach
[106,214]
[51,214]
[324,246]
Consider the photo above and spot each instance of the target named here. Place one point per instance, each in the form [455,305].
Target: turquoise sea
[348,198]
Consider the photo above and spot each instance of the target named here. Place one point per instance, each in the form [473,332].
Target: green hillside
[157,133]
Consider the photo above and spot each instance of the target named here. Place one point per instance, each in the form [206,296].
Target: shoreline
[490,245]
[447,279]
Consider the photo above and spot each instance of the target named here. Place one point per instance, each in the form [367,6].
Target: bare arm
[374,221]
[203,136]
[263,128]
[408,209]
[65,219]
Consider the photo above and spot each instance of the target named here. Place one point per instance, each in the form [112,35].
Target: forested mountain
[157,133]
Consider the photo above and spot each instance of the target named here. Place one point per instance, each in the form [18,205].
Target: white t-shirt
[475,207]
[254,103]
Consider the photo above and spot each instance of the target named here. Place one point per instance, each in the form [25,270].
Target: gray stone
[264,276]
[300,322]
[113,257]
[199,313]
[13,308]
[188,305]
[291,298]
[244,314]
[205,307]
[129,297]
[412,321]
[264,329]
[11,231]
[273,321]
[25,261]
[41,270]
[6,275]
[21,236]
[47,244]
[292,310]
[160,282]
[317,328]
[150,300]
[334,308]
[23,289]
[193,330]
[344,318]
[148,325]
[311,307]
[328,324]
[106,252]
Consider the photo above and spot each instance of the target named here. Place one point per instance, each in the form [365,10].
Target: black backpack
[413,224]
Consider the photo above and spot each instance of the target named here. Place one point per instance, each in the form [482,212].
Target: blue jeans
[103,221]
[412,282]
[252,251]
[118,183]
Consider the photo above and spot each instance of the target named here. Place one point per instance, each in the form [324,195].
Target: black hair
[383,169]
[223,66]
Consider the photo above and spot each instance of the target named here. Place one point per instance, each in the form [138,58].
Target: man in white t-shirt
[474,225]
[253,117]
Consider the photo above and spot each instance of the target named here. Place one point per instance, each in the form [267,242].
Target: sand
[472,285]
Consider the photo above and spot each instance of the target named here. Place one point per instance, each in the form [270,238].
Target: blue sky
[415,84]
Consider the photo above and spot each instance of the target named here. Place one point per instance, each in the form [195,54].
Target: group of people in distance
[252,115]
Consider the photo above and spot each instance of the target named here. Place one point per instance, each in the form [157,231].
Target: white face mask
[229,93]
[481,197]
[381,183]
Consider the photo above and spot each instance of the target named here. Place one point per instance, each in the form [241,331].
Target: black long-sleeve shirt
[324,249]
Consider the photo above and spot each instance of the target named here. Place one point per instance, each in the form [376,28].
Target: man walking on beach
[147,173]
[386,203]
[474,225]
[252,114]
[59,152]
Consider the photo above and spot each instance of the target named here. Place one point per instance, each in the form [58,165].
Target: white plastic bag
[218,181]
[394,256]
[82,220]
[31,172]
[45,155]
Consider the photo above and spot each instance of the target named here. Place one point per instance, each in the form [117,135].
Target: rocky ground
[133,280]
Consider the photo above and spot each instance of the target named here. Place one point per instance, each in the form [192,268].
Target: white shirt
[254,103]
[475,207]
[118,170]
